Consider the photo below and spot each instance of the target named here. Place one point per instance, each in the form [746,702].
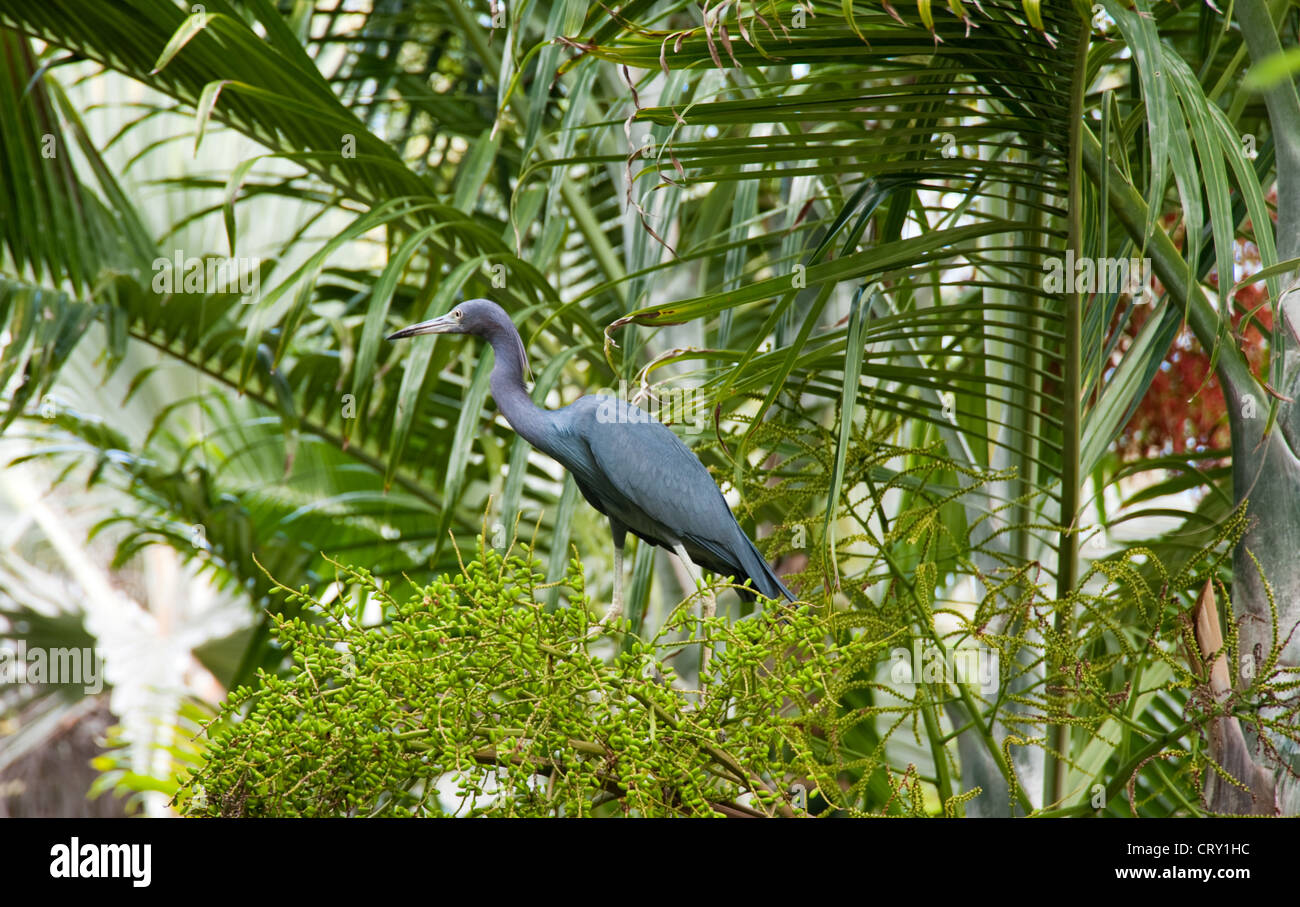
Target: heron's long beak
[445,324]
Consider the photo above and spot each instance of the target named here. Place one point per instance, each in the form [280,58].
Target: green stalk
[1260,31]
[1054,775]
[934,734]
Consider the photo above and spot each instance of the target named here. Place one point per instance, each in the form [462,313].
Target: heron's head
[474,316]
[481,317]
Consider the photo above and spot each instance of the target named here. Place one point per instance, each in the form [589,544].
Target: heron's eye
[458,313]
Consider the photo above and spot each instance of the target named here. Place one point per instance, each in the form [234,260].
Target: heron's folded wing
[646,466]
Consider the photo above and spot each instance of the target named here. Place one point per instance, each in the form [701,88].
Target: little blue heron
[631,468]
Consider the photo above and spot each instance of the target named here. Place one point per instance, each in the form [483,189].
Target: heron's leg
[615,611]
[709,606]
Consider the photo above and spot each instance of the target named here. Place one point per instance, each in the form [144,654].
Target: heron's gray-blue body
[638,473]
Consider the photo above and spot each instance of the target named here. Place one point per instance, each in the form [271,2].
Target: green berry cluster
[469,698]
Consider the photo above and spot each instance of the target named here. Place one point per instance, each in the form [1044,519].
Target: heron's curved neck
[507,383]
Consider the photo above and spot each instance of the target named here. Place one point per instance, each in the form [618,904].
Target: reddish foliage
[1184,410]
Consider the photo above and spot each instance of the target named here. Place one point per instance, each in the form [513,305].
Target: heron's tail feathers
[761,573]
[739,558]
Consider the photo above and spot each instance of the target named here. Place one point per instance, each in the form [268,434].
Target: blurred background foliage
[828,226]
